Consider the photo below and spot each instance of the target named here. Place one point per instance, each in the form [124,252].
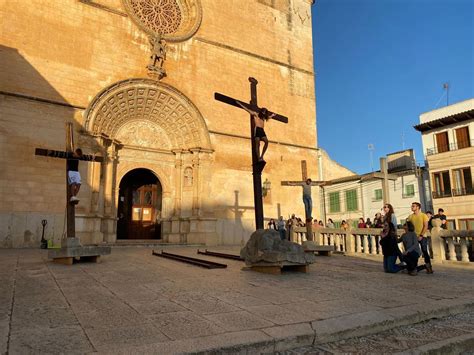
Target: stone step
[149,243]
[290,339]
[453,334]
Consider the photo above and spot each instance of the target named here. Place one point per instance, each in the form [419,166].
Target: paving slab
[134,302]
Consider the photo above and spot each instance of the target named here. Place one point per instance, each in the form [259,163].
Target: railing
[449,147]
[446,245]
[452,245]
[441,194]
[453,192]
[463,192]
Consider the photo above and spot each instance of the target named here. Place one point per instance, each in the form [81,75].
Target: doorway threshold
[149,243]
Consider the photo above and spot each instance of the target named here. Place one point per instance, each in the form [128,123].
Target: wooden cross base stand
[278,268]
[71,260]
[71,250]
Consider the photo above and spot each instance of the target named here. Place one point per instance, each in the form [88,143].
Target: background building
[449,155]
[177,163]
[353,197]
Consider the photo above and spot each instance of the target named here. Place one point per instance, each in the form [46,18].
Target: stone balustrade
[450,246]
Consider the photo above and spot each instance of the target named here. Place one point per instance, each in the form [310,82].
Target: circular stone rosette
[174,20]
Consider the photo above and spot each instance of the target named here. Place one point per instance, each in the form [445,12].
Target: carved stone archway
[142,123]
[163,107]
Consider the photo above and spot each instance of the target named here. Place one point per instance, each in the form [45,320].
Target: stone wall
[55,59]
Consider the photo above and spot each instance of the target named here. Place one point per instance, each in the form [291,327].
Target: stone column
[110,219]
[178,182]
[437,243]
[196,182]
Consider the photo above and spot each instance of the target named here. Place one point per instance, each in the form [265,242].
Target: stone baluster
[451,248]
[292,235]
[373,244]
[464,253]
[337,242]
[359,243]
[317,236]
[365,243]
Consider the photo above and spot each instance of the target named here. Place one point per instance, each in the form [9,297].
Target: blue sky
[381,63]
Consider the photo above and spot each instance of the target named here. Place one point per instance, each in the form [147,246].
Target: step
[302,335]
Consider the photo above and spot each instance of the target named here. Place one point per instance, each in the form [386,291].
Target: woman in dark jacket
[389,248]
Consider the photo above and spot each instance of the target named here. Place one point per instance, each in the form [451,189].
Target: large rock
[265,246]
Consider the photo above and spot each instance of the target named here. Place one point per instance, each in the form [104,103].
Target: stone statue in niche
[188,177]
[157,58]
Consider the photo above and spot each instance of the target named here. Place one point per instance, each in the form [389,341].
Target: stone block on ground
[71,248]
[265,246]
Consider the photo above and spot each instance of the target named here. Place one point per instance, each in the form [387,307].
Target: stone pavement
[134,302]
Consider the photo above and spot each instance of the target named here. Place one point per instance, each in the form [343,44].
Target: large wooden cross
[70,206]
[257,166]
[304,177]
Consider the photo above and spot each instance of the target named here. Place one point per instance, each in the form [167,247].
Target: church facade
[137,79]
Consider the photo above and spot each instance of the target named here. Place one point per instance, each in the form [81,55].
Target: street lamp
[267,186]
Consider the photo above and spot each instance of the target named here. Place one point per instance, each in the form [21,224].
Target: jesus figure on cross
[259,118]
[307,199]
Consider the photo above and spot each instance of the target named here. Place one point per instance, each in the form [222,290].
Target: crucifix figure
[72,176]
[257,164]
[259,119]
[306,183]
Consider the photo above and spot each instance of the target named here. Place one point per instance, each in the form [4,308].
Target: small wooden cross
[257,166]
[70,206]
[304,177]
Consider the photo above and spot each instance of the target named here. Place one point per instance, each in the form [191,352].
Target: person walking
[420,223]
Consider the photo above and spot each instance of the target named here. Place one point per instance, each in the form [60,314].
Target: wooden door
[142,223]
[442,142]
[462,137]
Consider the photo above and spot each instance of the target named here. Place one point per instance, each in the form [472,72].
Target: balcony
[463,192]
[450,147]
[441,194]
[453,192]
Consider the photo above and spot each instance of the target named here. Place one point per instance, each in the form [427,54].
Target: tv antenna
[371,148]
[446,87]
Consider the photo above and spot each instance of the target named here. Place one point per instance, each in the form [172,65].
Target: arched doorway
[139,206]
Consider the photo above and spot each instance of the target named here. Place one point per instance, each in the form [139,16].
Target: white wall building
[357,196]
[449,156]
